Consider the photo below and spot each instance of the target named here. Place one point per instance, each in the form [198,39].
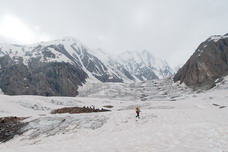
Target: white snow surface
[173,119]
[216,38]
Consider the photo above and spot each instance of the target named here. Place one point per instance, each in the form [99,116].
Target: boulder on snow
[74,110]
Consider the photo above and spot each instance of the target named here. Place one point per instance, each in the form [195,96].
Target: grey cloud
[169,29]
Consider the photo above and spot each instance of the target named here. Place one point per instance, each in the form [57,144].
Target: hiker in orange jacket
[137,110]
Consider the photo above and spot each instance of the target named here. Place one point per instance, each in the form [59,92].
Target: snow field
[164,126]
[192,122]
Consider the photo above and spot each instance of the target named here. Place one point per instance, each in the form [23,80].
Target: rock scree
[10,127]
[74,110]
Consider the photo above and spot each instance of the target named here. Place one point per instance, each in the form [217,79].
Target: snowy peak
[135,65]
[142,57]
[65,40]
[216,38]
[79,64]
[142,62]
[50,68]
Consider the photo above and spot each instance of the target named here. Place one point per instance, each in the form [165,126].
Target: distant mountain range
[136,66]
[207,66]
[59,67]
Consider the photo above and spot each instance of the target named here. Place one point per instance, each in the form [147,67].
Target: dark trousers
[137,112]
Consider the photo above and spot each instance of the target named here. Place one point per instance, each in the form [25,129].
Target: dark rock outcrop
[208,64]
[74,110]
[40,78]
[10,127]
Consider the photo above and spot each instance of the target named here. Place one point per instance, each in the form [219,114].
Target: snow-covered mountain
[144,65]
[59,67]
[136,65]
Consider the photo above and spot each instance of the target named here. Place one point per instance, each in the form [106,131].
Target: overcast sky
[170,29]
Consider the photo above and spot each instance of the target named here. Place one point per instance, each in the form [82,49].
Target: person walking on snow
[137,110]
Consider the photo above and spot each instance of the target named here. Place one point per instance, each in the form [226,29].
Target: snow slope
[189,122]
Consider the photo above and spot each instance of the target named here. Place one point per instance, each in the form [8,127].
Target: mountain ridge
[54,66]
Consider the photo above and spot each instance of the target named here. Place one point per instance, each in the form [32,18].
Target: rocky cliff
[207,65]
